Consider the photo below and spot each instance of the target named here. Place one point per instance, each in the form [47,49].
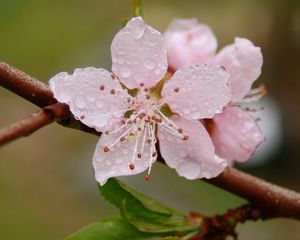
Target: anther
[122,139]
[106,149]
[148,140]
[176,89]
[139,155]
[154,154]
[185,137]
[82,117]
[113,91]
[106,132]
[148,97]
[147,177]
[102,87]
[131,166]
[123,122]
[180,130]
[142,84]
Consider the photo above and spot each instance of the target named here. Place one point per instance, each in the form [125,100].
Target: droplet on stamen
[185,137]
[106,149]
[131,166]
[147,177]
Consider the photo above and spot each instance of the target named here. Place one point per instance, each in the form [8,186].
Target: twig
[273,200]
[25,86]
[25,127]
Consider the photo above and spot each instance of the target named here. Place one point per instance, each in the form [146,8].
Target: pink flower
[234,132]
[132,121]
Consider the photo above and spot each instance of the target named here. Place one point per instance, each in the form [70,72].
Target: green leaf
[171,238]
[142,212]
[110,229]
[115,192]
[156,224]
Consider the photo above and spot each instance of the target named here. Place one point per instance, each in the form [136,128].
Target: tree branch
[273,200]
[25,86]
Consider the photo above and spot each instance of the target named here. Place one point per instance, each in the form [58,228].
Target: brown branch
[25,86]
[273,200]
[25,127]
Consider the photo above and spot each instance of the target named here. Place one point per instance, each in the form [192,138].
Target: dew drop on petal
[102,121]
[80,102]
[90,98]
[125,72]
[108,162]
[99,104]
[64,96]
[125,151]
[118,160]
[182,153]
[149,63]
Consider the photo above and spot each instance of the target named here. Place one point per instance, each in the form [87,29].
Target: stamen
[106,149]
[131,166]
[122,135]
[167,119]
[255,94]
[147,177]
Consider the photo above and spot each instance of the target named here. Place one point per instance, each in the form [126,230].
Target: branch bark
[273,200]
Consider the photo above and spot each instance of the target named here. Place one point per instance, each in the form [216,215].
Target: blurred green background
[47,187]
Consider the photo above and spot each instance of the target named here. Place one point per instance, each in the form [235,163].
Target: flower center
[139,124]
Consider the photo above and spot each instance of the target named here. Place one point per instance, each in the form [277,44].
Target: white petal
[197,92]
[82,92]
[138,55]
[192,158]
[116,161]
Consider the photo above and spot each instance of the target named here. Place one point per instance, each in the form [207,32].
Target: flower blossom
[136,105]
[234,132]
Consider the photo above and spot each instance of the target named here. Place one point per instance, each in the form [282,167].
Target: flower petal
[138,55]
[243,61]
[117,160]
[189,42]
[235,134]
[197,92]
[92,95]
[192,158]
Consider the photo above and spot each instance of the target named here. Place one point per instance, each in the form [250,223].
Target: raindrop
[125,151]
[118,160]
[99,104]
[108,162]
[149,63]
[182,153]
[125,72]
[90,98]
[64,96]
[80,102]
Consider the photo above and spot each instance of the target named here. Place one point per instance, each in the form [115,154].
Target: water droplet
[149,63]
[80,102]
[121,50]
[120,60]
[64,96]
[101,121]
[186,110]
[90,98]
[182,153]
[196,115]
[99,104]
[125,72]
[108,162]
[157,71]
[125,151]
[118,160]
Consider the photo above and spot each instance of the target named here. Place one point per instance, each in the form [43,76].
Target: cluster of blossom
[172,88]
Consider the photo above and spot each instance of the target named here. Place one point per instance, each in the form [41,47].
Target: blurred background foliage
[47,187]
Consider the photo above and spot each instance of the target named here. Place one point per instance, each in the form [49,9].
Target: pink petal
[243,61]
[192,158]
[138,55]
[116,161]
[189,42]
[83,92]
[235,134]
[197,92]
